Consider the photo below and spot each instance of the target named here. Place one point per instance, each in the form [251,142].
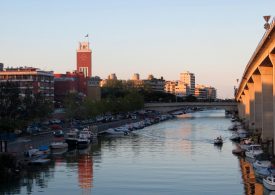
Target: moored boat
[39,161]
[269,182]
[253,151]
[58,145]
[235,137]
[71,138]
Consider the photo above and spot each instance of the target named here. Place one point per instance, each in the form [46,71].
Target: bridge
[169,107]
[256,92]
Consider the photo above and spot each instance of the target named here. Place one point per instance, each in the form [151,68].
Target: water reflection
[85,173]
[251,185]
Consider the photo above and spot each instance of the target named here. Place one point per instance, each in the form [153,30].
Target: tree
[190,98]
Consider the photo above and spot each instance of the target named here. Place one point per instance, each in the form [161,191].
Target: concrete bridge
[256,92]
[169,107]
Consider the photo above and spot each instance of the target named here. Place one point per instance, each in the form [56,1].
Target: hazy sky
[212,38]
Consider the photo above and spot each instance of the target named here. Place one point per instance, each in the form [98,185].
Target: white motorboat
[58,145]
[85,133]
[82,143]
[263,172]
[246,143]
[116,131]
[253,151]
[71,138]
[83,140]
[40,161]
[269,182]
[261,164]
[218,141]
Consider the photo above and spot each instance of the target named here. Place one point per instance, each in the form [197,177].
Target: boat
[86,133]
[218,141]
[83,140]
[233,128]
[269,182]
[235,137]
[82,143]
[39,161]
[253,150]
[246,143]
[58,145]
[71,138]
[263,172]
[116,131]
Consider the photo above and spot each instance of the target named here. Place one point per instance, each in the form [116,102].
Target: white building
[188,79]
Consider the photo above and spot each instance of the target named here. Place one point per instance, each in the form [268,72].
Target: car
[58,133]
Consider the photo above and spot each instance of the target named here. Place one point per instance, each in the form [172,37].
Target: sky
[214,39]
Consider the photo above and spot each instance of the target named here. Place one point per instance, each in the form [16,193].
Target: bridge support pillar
[258,102]
[241,109]
[272,59]
[251,106]
[267,100]
[247,108]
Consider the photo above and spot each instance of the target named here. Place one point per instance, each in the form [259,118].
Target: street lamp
[266,25]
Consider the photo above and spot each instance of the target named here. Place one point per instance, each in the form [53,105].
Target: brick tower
[84,59]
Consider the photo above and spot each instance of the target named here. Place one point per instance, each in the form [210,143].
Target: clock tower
[84,59]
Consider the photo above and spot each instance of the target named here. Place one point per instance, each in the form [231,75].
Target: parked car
[58,133]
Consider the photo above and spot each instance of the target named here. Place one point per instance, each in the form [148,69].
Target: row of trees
[79,108]
[16,110]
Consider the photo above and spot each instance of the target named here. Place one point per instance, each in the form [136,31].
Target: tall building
[84,59]
[189,80]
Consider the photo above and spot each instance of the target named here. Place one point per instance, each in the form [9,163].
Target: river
[172,157]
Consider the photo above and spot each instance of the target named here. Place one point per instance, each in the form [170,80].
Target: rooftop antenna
[267,25]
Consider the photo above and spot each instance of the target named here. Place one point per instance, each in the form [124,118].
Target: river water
[172,157]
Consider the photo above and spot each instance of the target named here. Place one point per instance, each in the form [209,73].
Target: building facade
[182,89]
[188,79]
[203,92]
[170,87]
[94,90]
[84,59]
[154,84]
[74,82]
[32,79]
